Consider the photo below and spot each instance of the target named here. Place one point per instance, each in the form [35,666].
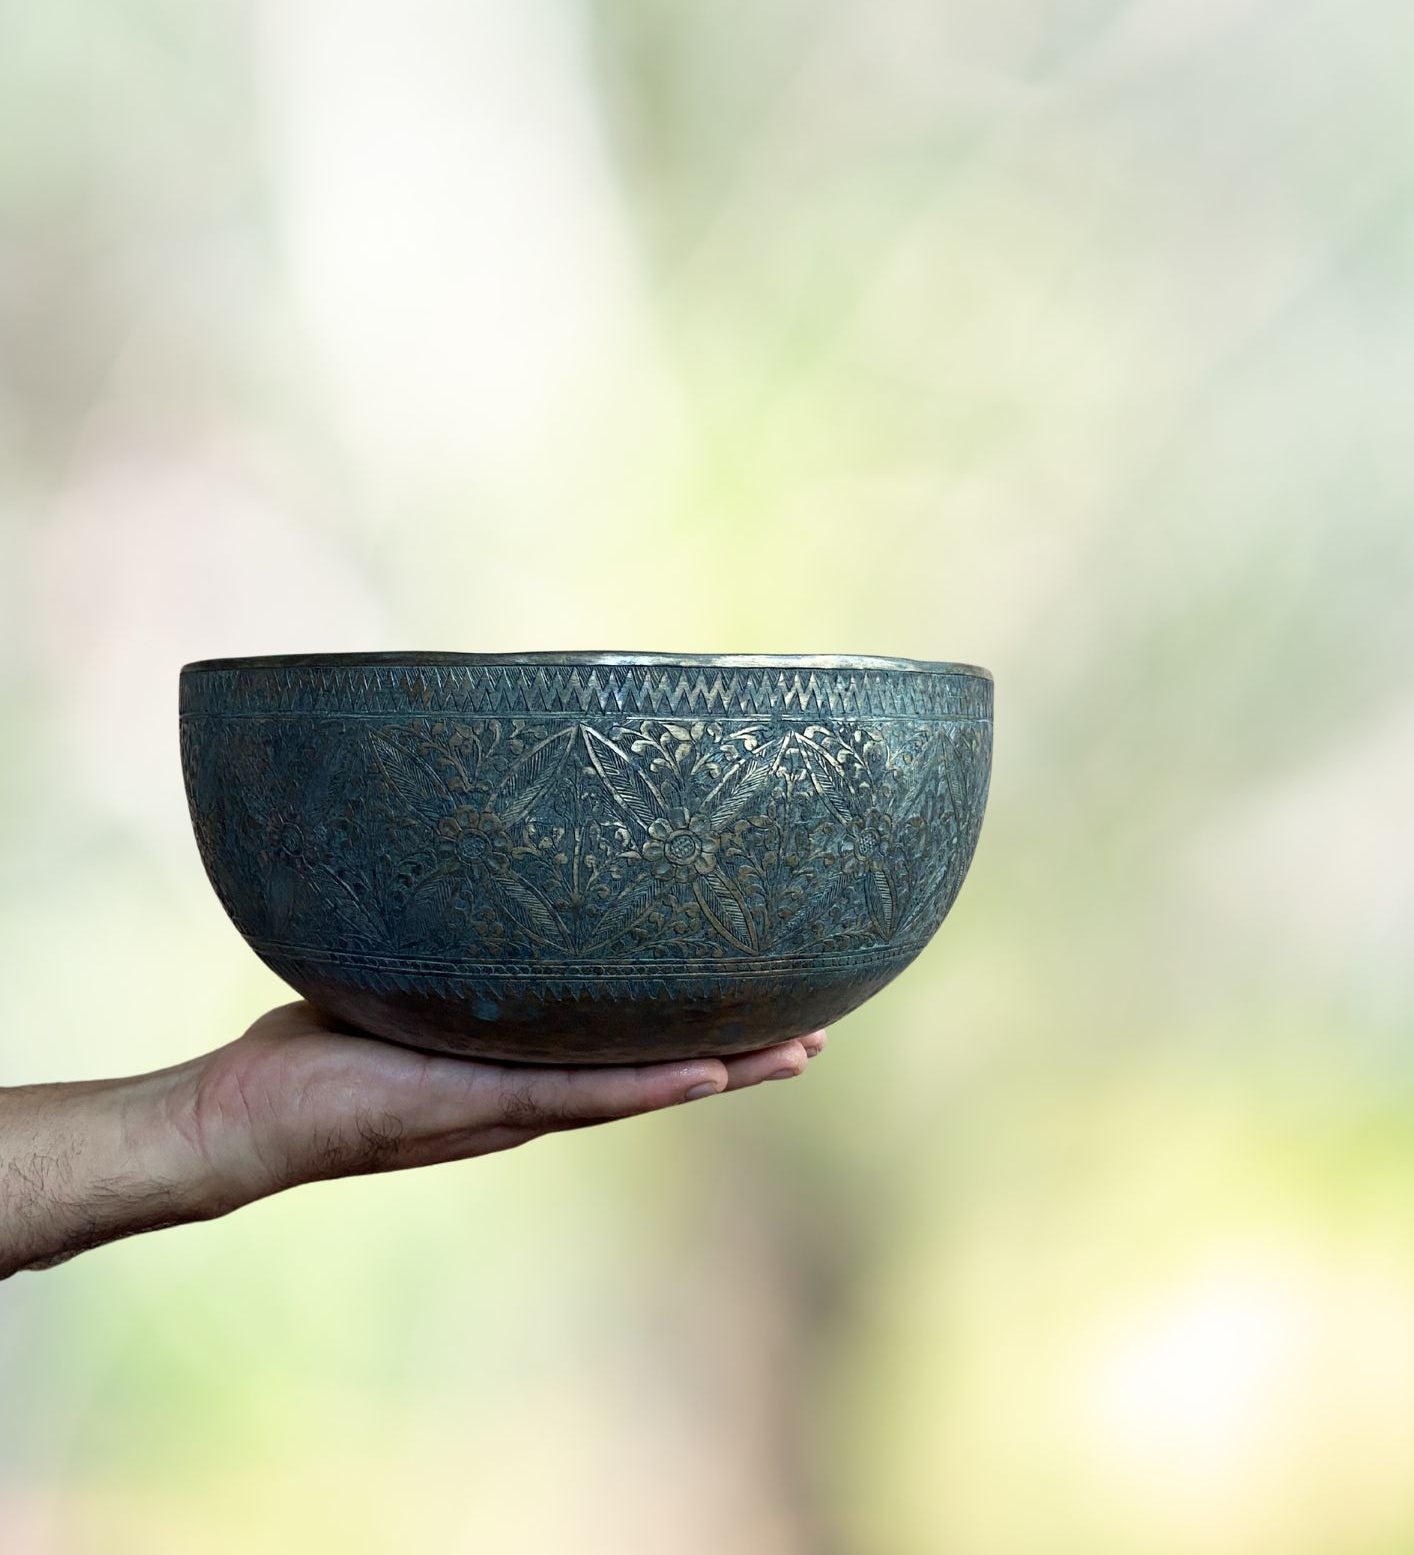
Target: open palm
[298,1098]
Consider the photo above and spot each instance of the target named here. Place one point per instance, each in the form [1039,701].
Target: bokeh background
[1072,337]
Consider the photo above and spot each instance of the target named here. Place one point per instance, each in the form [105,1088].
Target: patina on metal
[586,857]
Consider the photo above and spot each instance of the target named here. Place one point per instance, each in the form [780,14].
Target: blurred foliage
[1073,339]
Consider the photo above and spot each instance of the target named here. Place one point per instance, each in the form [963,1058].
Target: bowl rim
[608,658]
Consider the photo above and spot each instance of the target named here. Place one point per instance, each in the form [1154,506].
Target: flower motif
[680,846]
[291,841]
[475,839]
[864,844]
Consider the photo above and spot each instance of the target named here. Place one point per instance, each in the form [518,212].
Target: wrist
[160,1138]
[88,1163]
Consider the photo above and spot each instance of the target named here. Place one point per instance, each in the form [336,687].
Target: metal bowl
[586,857]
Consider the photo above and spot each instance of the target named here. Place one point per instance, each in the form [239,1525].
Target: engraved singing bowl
[586,857]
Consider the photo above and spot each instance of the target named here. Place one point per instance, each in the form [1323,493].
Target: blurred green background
[1072,338]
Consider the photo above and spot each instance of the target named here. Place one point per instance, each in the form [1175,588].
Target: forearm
[296,1099]
[85,1164]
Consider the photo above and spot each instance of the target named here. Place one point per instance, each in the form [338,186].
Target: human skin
[297,1099]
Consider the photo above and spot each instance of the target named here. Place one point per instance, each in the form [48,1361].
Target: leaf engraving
[280,888]
[740,785]
[533,776]
[724,909]
[879,893]
[336,893]
[427,909]
[624,914]
[630,789]
[527,908]
[416,782]
[827,776]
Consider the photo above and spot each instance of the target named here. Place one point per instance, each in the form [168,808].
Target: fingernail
[699,1091]
[783,1074]
[812,1045]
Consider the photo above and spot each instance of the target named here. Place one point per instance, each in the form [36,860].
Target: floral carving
[680,845]
[476,840]
[539,861]
[574,841]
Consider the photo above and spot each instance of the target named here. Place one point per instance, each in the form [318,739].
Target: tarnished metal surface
[586,857]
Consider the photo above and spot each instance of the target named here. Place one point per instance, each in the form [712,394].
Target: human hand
[297,1098]
[294,1100]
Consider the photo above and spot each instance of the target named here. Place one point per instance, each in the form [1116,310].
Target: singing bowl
[586,857]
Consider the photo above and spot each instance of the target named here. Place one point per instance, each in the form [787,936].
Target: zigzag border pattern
[652,691]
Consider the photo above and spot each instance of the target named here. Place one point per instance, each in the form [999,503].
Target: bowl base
[588,1028]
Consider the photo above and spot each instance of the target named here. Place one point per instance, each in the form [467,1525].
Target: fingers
[554,1098]
[782,1062]
[559,1099]
[331,1103]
